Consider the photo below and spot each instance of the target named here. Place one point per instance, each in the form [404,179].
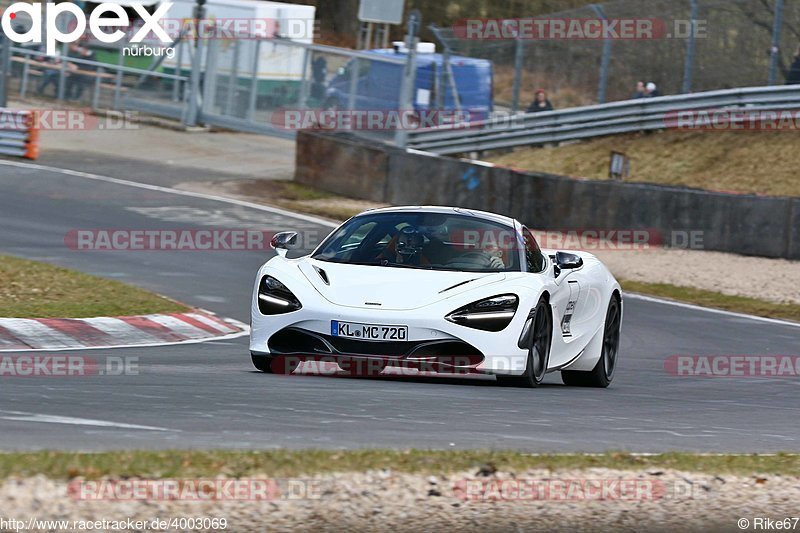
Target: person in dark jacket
[540,103]
[76,83]
[793,74]
[641,92]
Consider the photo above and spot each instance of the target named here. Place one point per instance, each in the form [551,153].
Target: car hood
[390,288]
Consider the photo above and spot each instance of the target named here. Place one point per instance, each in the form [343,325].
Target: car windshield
[424,240]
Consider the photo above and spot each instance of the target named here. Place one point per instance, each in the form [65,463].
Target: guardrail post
[691,47]
[355,65]
[406,99]
[118,80]
[251,105]
[777,24]
[605,61]
[23,87]
[518,52]
[304,79]
[233,79]
[96,92]
[176,82]
[62,72]
[195,100]
[210,79]
[5,69]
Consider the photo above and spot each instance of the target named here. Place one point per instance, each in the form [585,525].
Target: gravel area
[392,502]
[776,280]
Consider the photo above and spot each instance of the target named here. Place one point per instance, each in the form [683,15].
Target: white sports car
[438,289]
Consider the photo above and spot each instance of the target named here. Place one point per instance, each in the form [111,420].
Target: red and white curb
[197,325]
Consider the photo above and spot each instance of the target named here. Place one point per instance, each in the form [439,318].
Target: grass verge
[30,289]
[720,161]
[738,304]
[285,463]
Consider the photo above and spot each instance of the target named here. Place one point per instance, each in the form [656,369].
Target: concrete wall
[744,224]
[342,165]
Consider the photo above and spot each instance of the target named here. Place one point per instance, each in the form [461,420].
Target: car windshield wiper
[404,265]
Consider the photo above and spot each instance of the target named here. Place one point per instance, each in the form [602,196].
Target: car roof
[436,58]
[508,221]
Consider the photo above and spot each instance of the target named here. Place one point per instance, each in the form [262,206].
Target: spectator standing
[651,91]
[319,73]
[76,83]
[50,75]
[540,102]
[793,74]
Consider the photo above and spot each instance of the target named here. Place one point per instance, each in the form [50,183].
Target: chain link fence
[255,84]
[732,47]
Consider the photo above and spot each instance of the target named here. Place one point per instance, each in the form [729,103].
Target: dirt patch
[775,280]
[287,195]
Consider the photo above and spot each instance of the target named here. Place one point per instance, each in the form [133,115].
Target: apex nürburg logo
[102,20]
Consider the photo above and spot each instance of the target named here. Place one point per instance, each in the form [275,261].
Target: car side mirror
[283,241]
[567,261]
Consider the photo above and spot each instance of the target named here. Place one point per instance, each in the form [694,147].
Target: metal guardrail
[594,121]
[101,74]
[19,133]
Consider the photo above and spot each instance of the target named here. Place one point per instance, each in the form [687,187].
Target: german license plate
[368,332]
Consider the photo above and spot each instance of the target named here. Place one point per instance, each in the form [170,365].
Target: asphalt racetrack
[209,396]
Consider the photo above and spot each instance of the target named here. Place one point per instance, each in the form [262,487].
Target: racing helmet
[409,242]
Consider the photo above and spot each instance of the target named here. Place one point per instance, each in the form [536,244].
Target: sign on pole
[381,11]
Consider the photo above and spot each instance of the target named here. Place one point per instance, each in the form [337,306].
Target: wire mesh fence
[695,46]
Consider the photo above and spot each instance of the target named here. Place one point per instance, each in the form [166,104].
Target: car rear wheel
[538,350]
[603,372]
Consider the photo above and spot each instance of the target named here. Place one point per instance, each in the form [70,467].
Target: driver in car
[408,247]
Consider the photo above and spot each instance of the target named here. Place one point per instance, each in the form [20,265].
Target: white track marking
[635,296]
[329,224]
[121,330]
[179,327]
[168,190]
[245,331]
[36,334]
[219,326]
[20,416]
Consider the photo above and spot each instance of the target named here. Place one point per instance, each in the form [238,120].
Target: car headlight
[491,314]
[274,298]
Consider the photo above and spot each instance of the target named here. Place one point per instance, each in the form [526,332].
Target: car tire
[538,350]
[603,372]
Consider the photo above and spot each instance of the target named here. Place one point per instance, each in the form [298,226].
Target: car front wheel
[538,350]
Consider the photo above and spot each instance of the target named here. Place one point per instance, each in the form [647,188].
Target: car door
[567,298]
